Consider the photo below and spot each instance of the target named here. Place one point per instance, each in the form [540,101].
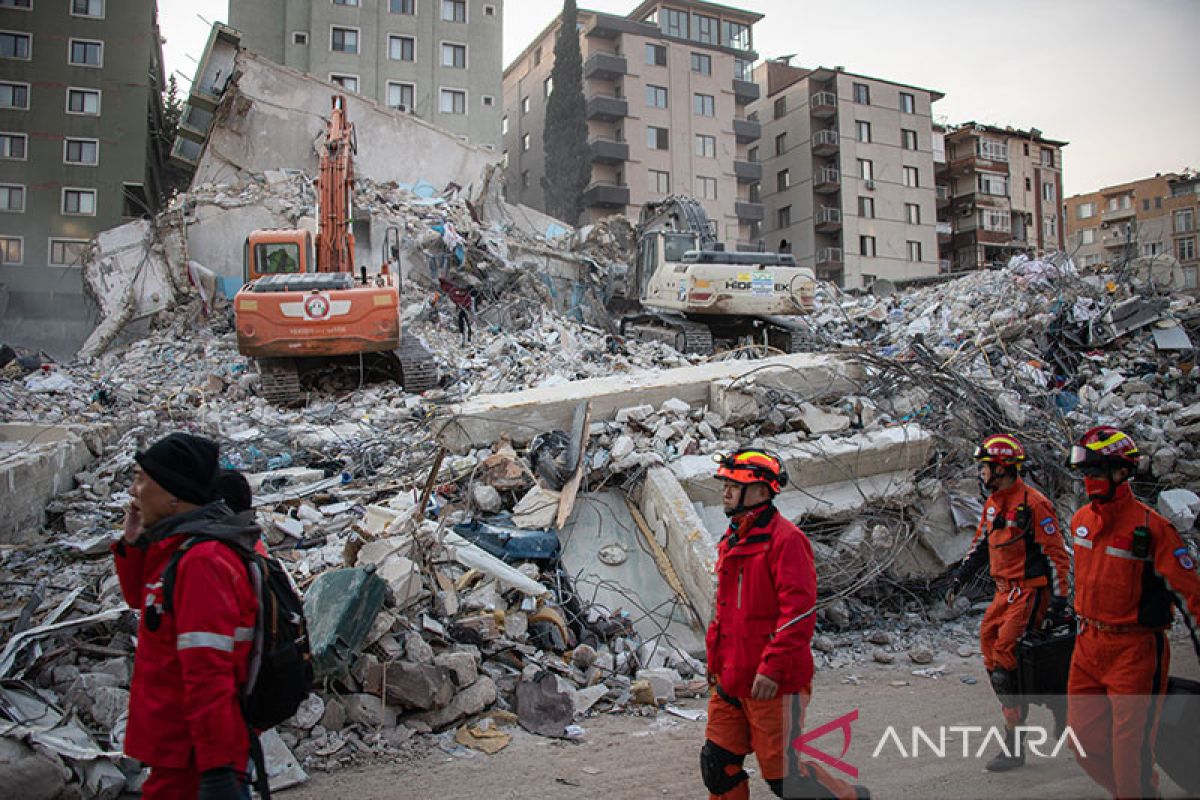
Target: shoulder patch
[1048,525]
[991,512]
[1081,532]
[1185,560]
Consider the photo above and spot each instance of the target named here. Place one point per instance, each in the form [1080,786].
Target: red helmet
[1104,447]
[750,466]
[1002,449]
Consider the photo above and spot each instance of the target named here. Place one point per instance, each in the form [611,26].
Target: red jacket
[766,578]
[190,664]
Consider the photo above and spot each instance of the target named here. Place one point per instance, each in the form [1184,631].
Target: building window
[548,86]
[86,53]
[65,252]
[452,101]
[997,221]
[656,55]
[866,207]
[706,188]
[454,10]
[13,146]
[866,246]
[12,250]
[743,70]
[702,63]
[995,185]
[908,139]
[403,6]
[781,143]
[866,169]
[1047,157]
[912,212]
[862,94]
[863,130]
[525,179]
[489,11]
[706,146]
[401,96]
[704,105]
[14,95]
[347,82]
[87,8]
[524,105]
[1120,202]
[908,103]
[707,29]
[912,178]
[1028,185]
[12,198]
[22,5]
[991,149]
[79,202]
[1145,204]
[656,96]
[783,217]
[1086,211]
[780,107]
[504,160]
[736,36]
[657,138]
[675,23]
[83,101]
[752,155]
[1157,203]
[1048,192]
[345,2]
[15,45]
[1087,236]
[454,55]
[504,125]
[1185,220]
[299,37]
[783,179]
[1185,249]
[537,56]
[343,40]
[526,142]
[81,151]
[914,251]
[1151,249]
[660,181]
[1050,227]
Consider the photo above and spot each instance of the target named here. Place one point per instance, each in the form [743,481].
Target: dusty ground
[634,758]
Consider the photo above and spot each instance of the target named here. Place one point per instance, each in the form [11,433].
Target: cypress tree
[565,136]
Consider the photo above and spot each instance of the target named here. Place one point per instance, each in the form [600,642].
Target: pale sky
[1118,79]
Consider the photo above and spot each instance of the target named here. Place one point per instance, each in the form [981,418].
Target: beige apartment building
[667,89]
[1146,217]
[439,59]
[848,173]
[1000,193]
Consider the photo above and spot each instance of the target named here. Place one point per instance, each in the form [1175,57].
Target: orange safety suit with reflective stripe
[1131,568]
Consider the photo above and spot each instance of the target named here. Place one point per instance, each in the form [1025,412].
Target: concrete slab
[480,421]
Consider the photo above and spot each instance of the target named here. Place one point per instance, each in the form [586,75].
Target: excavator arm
[680,214]
[335,188]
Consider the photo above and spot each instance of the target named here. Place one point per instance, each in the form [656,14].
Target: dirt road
[632,758]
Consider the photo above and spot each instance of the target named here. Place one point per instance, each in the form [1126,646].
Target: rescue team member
[1131,567]
[1018,539]
[185,721]
[759,641]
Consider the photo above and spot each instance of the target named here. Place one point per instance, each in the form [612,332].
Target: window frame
[85,90]
[400,85]
[412,4]
[865,203]
[336,77]
[344,29]
[69,140]
[401,39]
[72,41]
[701,101]
[910,245]
[702,184]
[866,169]
[4,240]
[452,44]
[24,139]
[701,21]
[783,217]
[863,97]
[658,176]
[20,8]
[52,241]
[861,126]
[526,142]
[652,54]
[299,38]
[455,4]
[526,105]
[783,180]
[669,15]
[1087,236]
[1190,241]
[652,95]
[705,60]
[912,213]
[908,135]
[18,85]
[700,145]
[865,239]
[453,90]
[28,36]
[915,172]
[912,103]
[659,134]
[83,190]
[1091,207]
[101,15]
[1181,214]
[24,198]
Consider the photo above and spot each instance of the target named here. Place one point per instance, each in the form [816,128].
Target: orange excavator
[297,315]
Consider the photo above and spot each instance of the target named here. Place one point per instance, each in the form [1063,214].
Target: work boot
[1002,762]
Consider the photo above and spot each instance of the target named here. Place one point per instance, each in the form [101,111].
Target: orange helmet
[1102,448]
[748,466]
[1002,449]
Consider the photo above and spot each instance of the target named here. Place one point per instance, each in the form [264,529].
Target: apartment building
[667,90]
[1000,193]
[847,164]
[81,151]
[439,59]
[1146,217]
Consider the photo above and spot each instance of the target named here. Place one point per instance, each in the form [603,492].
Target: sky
[1117,79]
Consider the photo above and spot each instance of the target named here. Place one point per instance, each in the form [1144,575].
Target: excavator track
[684,335]
[788,334]
[279,381]
[418,369]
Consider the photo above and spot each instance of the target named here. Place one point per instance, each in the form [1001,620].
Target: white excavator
[695,296]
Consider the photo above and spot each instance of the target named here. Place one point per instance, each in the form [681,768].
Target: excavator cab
[277,252]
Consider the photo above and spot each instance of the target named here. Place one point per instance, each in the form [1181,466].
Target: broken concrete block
[334,718]
[472,700]
[734,402]
[419,686]
[816,421]
[29,775]
[545,705]
[486,498]
[310,712]
[584,699]
[633,414]
[380,550]
[108,704]
[368,710]
[537,509]
[416,649]
[675,406]
[622,447]
[1180,507]
[461,667]
[662,683]
[403,578]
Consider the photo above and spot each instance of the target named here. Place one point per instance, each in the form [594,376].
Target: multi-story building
[847,165]
[667,89]
[1146,217]
[81,150]
[439,59]
[1002,195]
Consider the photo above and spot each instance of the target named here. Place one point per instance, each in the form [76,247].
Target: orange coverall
[1028,564]
[1131,569]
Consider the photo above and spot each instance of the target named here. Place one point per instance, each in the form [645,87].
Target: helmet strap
[741,507]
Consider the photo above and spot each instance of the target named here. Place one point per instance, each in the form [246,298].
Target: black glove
[221,783]
[1057,613]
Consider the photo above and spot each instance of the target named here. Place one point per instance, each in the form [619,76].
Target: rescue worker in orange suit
[758,645]
[185,720]
[1018,539]
[1131,569]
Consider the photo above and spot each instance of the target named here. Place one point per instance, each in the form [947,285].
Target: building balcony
[823,104]
[747,130]
[1117,240]
[826,142]
[608,151]
[749,212]
[747,171]
[829,259]
[1110,215]
[944,230]
[606,195]
[943,196]
[607,107]
[609,26]
[944,265]
[745,92]
[975,163]
[828,219]
[827,180]
[605,67]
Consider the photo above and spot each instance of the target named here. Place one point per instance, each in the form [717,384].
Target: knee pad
[1004,684]
[714,760]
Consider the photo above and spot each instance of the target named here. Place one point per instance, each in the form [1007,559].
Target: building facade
[1000,193]
[848,174]
[81,150]
[1147,217]
[667,90]
[439,59]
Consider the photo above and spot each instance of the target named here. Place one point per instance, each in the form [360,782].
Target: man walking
[759,655]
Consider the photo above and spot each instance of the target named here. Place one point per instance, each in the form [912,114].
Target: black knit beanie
[185,465]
